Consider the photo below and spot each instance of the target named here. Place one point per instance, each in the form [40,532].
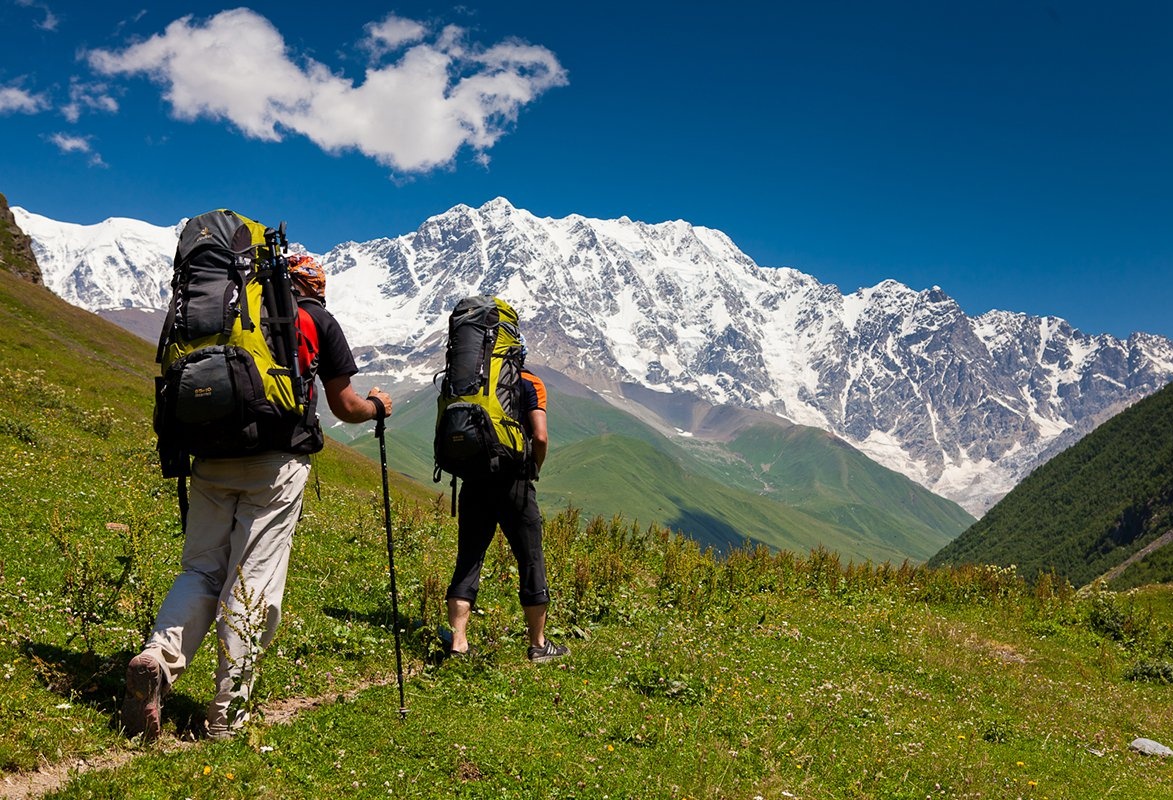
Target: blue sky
[1017,154]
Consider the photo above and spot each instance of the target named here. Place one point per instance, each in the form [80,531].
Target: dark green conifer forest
[1088,509]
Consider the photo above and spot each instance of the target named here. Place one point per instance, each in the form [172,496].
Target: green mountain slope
[613,474]
[1090,508]
[787,486]
[823,475]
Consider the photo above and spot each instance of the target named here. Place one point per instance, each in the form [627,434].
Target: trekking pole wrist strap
[380,409]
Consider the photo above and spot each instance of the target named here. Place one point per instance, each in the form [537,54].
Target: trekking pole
[379,428]
[283,308]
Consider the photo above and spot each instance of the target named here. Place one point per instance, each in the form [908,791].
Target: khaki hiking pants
[240,524]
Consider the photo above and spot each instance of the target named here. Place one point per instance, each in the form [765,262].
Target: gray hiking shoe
[142,711]
[222,730]
[547,652]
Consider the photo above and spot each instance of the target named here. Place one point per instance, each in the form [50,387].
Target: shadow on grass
[427,642]
[100,683]
[708,530]
[380,618]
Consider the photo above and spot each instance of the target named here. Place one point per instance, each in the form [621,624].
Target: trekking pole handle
[380,413]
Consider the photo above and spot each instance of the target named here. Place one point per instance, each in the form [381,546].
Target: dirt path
[1156,544]
[50,777]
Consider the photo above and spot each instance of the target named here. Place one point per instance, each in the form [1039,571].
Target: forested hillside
[1090,508]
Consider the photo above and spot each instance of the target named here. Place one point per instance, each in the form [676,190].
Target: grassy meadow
[759,673]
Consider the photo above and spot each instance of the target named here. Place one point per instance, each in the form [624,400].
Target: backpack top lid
[221,229]
[486,311]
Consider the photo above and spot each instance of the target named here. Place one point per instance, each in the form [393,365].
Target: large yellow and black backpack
[230,383]
[479,431]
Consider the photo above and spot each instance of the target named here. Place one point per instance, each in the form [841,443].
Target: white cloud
[88,97]
[391,34]
[49,23]
[69,143]
[14,100]
[412,115]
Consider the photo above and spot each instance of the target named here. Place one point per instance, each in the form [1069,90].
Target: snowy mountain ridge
[966,406]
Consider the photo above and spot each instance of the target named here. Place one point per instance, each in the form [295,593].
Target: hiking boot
[547,652]
[222,731]
[142,710]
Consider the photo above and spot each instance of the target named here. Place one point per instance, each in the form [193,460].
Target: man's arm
[537,425]
[348,406]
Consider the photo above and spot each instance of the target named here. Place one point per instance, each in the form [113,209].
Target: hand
[378,394]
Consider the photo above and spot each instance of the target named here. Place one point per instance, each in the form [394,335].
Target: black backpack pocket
[464,440]
[208,403]
[207,388]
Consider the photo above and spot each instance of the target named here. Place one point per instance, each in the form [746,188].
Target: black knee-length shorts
[512,504]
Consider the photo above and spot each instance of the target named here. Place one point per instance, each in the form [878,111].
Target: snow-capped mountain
[118,263]
[964,405]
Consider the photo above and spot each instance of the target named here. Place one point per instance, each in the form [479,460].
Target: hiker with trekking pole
[238,417]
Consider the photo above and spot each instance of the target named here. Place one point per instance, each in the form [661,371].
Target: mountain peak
[965,406]
[498,204]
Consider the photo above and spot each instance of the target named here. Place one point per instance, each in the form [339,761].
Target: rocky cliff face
[16,248]
[964,405]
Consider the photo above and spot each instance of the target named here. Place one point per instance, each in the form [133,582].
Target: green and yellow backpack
[230,382]
[479,431]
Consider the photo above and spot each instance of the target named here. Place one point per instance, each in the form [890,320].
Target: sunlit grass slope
[761,673]
[89,532]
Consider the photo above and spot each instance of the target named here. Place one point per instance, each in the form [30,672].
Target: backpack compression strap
[181,492]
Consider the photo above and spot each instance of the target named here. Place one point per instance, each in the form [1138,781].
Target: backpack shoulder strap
[308,338]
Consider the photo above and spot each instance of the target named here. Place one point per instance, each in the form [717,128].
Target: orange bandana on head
[309,279]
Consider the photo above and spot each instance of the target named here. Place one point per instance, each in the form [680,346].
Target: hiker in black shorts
[508,500]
